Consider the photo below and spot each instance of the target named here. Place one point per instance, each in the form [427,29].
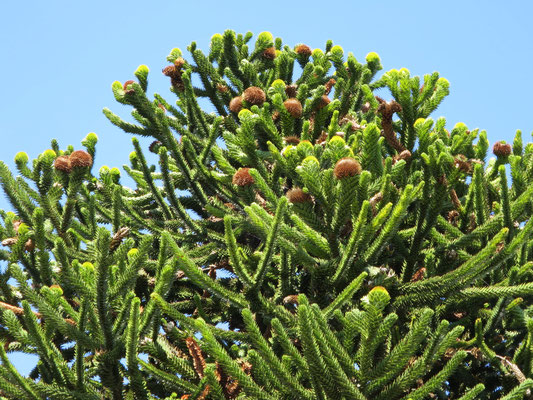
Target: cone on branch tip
[243,178]
[291,90]
[346,167]
[303,50]
[80,159]
[297,195]
[501,149]
[222,88]
[179,63]
[324,101]
[404,155]
[174,72]
[77,159]
[269,53]
[29,245]
[235,105]
[169,70]
[62,163]
[254,95]
[294,107]
[294,140]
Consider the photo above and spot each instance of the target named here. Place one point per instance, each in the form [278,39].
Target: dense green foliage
[307,240]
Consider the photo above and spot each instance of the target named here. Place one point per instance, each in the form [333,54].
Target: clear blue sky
[59,58]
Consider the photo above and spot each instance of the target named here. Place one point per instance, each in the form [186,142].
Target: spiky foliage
[345,246]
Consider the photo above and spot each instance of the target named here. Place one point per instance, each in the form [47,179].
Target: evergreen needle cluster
[306,240]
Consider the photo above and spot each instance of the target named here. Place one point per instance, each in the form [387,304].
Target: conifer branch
[287,245]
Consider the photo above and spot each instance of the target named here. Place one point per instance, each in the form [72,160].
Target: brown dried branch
[230,386]
[329,85]
[118,236]
[387,110]
[455,199]
[514,368]
[20,311]
[197,357]
[453,195]
[375,200]
[204,393]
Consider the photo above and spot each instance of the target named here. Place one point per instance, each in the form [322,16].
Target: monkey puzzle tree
[306,240]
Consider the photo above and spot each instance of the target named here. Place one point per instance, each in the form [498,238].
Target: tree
[308,240]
